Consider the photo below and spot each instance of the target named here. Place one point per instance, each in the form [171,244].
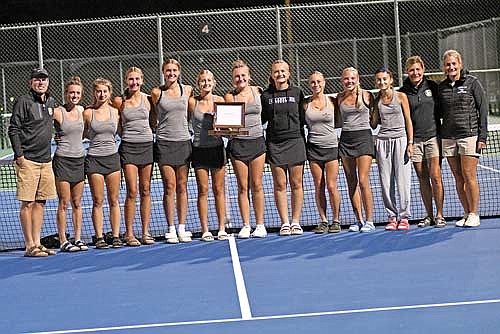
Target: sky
[28,11]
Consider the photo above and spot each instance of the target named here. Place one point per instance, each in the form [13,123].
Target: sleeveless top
[172,117]
[321,126]
[70,132]
[392,121]
[253,121]
[135,120]
[354,118]
[201,123]
[102,135]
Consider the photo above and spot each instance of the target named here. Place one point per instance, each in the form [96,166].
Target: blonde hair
[452,53]
[414,60]
[204,72]
[73,81]
[103,82]
[239,64]
[134,69]
[359,97]
[171,61]
[317,73]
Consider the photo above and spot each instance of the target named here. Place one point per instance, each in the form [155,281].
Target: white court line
[272,317]
[489,168]
[246,313]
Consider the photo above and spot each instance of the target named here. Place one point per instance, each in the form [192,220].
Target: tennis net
[488,172]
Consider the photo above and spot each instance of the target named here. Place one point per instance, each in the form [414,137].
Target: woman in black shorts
[68,164]
[283,111]
[136,153]
[102,163]
[208,154]
[356,147]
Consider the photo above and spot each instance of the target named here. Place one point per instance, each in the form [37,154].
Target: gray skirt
[102,165]
[138,154]
[289,152]
[172,153]
[68,169]
[321,154]
[353,144]
[246,150]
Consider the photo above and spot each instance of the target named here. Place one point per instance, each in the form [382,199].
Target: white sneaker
[245,232]
[368,227]
[185,236]
[260,231]
[356,227]
[171,238]
[472,220]
[461,222]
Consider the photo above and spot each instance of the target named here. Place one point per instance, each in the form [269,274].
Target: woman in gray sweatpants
[394,148]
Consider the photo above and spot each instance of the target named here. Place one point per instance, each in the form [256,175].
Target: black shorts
[289,152]
[208,157]
[353,144]
[321,154]
[102,165]
[139,154]
[246,150]
[172,153]
[68,169]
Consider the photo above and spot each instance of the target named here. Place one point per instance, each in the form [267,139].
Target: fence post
[39,43]
[398,43]
[355,53]
[61,71]
[160,47]
[3,137]
[278,33]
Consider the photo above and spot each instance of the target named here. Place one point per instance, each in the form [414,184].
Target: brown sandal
[132,242]
[35,252]
[46,250]
[147,239]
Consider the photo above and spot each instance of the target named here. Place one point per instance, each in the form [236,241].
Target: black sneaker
[334,227]
[321,228]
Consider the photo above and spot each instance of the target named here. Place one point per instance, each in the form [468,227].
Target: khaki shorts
[35,181]
[425,150]
[462,146]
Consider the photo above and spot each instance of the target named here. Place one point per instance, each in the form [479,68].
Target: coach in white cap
[30,133]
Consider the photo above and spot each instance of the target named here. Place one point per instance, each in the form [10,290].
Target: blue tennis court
[434,280]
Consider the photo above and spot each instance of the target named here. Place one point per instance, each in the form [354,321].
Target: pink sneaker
[403,225]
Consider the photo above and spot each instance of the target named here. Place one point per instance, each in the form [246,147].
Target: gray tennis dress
[247,148]
[102,156]
[136,146]
[173,144]
[69,158]
[356,138]
[322,141]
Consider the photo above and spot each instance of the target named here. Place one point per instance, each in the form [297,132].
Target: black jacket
[423,108]
[283,110]
[30,129]
[463,108]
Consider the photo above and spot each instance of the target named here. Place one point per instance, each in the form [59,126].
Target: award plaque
[229,119]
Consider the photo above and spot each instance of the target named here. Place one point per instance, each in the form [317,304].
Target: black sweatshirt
[283,110]
[30,129]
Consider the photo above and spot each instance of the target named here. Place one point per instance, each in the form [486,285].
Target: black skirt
[353,144]
[67,169]
[102,165]
[289,152]
[172,153]
[246,150]
[208,157]
[321,154]
[139,154]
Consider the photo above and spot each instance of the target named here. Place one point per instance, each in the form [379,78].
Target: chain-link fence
[324,37]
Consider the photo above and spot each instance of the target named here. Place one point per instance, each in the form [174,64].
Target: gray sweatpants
[394,167]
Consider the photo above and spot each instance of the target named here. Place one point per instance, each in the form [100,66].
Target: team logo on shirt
[50,111]
[428,92]
[462,90]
